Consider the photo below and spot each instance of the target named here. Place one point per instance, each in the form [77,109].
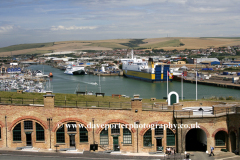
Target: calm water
[63,83]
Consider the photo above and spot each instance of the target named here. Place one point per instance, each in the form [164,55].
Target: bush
[213,98]
[221,98]
[230,98]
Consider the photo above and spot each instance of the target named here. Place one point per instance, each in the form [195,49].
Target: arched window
[17,132]
[28,125]
[115,129]
[83,134]
[220,138]
[60,135]
[147,138]
[127,136]
[39,132]
[104,137]
[170,137]
[71,127]
[158,131]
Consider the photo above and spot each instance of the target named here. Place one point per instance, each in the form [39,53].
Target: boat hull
[148,77]
[80,72]
[139,75]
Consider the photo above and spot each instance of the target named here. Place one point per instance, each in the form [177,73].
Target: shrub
[230,98]
[221,98]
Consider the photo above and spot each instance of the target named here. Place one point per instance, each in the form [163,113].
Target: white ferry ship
[145,70]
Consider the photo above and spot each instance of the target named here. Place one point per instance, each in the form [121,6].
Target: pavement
[37,154]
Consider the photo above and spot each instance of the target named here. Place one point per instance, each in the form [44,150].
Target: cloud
[53,28]
[118,2]
[6,28]
[207,9]
[178,1]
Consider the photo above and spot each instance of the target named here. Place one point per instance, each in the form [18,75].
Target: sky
[37,21]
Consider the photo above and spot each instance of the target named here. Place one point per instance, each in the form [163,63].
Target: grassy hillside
[108,45]
[168,43]
[25,46]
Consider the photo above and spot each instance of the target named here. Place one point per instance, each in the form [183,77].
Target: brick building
[44,126]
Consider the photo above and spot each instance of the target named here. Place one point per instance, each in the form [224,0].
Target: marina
[63,83]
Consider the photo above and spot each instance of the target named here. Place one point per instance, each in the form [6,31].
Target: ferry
[146,70]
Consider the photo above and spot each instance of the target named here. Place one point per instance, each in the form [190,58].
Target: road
[23,155]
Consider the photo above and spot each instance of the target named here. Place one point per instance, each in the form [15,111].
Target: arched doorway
[196,140]
[233,141]
[173,99]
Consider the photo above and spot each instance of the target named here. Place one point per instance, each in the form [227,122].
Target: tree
[220,58]
[238,53]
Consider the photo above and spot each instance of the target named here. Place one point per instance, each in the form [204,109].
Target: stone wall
[85,116]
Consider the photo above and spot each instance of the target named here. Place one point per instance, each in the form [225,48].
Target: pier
[218,83]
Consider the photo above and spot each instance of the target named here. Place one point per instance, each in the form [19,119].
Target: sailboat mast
[99,84]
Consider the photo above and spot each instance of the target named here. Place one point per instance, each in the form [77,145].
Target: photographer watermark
[130,126]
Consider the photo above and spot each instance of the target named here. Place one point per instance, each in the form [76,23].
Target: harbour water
[62,83]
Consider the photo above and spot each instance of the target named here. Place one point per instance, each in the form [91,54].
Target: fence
[20,101]
[64,103]
[155,106]
[120,105]
[216,113]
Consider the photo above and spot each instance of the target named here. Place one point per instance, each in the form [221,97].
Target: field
[160,43]
[169,43]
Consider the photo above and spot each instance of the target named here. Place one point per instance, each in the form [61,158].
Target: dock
[213,82]
[106,74]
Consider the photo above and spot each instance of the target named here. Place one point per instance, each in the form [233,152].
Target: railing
[183,114]
[237,110]
[155,106]
[20,101]
[216,113]
[120,105]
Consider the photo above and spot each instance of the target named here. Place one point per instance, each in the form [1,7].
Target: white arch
[169,97]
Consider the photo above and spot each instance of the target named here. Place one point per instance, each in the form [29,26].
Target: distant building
[199,60]
[4,68]
[211,63]
[181,62]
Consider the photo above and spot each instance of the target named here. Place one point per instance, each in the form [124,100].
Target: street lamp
[6,129]
[93,131]
[49,127]
[137,122]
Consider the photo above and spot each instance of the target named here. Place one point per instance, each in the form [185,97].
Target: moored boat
[50,74]
[146,70]
[75,70]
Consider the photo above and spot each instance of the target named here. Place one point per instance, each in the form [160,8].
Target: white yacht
[75,70]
